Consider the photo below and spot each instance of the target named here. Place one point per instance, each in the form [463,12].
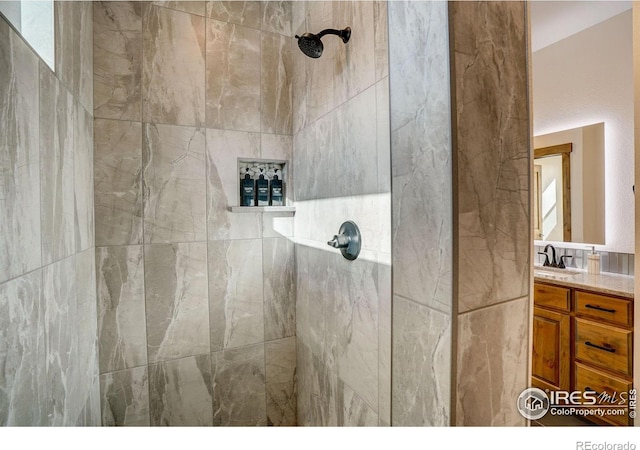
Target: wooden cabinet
[551,350]
[583,341]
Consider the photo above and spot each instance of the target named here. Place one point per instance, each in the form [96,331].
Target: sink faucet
[554,262]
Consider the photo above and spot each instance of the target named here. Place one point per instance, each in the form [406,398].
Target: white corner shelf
[263,209]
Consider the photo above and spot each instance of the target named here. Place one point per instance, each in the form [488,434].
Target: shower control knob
[339,241]
[348,240]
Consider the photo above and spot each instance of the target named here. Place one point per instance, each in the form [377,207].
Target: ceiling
[552,21]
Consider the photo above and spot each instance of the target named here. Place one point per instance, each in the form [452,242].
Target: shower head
[311,45]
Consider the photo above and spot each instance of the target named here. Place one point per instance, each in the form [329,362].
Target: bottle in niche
[263,190]
[276,190]
[247,190]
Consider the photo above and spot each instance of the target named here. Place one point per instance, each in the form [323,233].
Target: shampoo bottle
[593,261]
[276,190]
[263,190]
[247,190]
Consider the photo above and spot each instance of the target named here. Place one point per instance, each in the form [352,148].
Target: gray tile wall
[491,180]
[422,213]
[196,304]
[342,172]
[48,326]
[460,175]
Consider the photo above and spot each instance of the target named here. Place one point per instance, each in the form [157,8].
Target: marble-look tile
[233,77]
[125,397]
[318,219]
[236,293]
[276,73]
[381,39]
[20,250]
[275,225]
[90,415]
[57,205]
[384,342]
[421,155]
[70,342]
[74,48]
[317,78]
[223,187]
[354,62]
[278,265]
[276,147]
[492,151]
[352,410]
[22,352]
[492,364]
[176,300]
[117,60]
[336,152]
[121,307]
[421,365]
[191,7]
[174,184]
[83,179]
[242,13]
[383,135]
[173,67]
[239,393]
[303,292]
[180,392]
[85,392]
[342,316]
[280,357]
[62,340]
[118,182]
[298,14]
[352,331]
[300,84]
[276,17]
[317,390]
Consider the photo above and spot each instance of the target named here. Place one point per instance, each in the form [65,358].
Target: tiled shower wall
[341,164]
[196,304]
[461,230]
[48,331]
[422,213]
[492,164]
[613,262]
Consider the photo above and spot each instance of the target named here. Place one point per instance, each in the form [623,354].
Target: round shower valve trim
[348,240]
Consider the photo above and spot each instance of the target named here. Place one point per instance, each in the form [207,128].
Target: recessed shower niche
[262,186]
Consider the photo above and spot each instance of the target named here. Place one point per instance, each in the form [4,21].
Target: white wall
[585,79]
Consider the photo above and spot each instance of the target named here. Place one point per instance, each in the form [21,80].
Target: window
[33,19]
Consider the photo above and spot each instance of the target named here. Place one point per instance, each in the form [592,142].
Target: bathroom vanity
[583,334]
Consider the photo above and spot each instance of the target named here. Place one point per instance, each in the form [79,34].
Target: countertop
[606,283]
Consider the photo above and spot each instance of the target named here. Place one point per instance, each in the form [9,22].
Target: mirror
[569,197]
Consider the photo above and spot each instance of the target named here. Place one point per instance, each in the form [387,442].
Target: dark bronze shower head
[311,44]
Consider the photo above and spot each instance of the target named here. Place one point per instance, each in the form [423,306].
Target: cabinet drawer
[611,391]
[611,309]
[548,296]
[604,346]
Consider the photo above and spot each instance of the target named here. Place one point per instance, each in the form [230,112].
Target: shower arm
[344,34]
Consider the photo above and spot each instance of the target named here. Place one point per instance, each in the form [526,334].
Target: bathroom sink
[556,274]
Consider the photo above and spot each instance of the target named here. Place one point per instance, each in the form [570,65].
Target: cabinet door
[551,350]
